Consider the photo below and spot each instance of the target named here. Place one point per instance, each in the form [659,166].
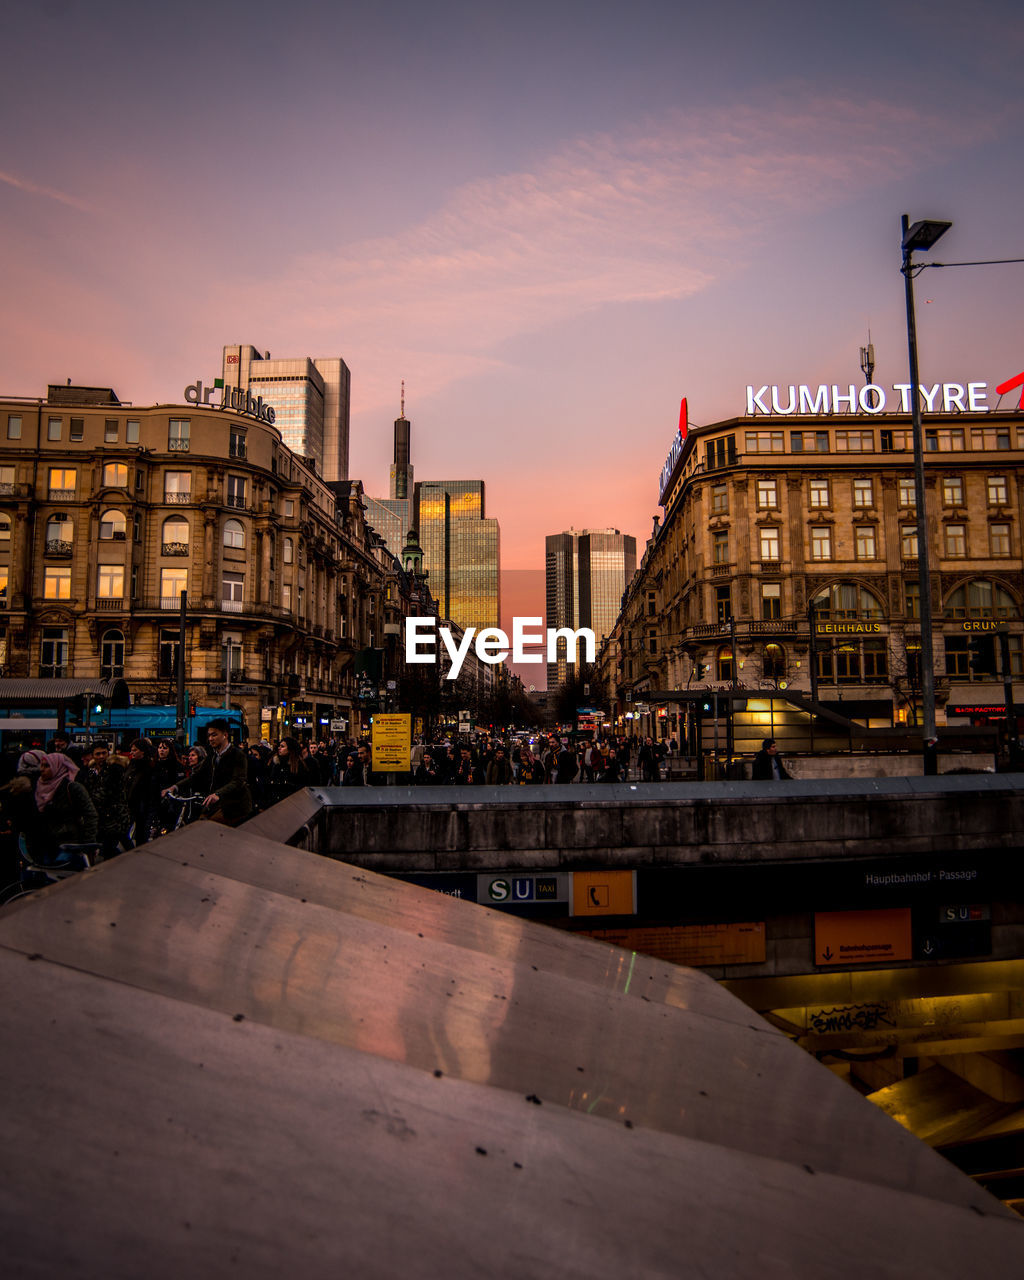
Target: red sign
[1009,385]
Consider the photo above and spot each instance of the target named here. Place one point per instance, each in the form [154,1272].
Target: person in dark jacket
[426,774]
[612,771]
[229,801]
[291,770]
[499,769]
[768,766]
[104,779]
[142,790]
[67,815]
[567,766]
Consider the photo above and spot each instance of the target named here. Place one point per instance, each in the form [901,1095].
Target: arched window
[60,534]
[723,662]
[234,534]
[112,655]
[846,600]
[981,599]
[115,475]
[289,552]
[113,525]
[773,662]
[174,536]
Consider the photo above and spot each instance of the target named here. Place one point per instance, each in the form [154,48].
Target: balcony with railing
[174,549]
[721,570]
[177,445]
[110,604]
[58,547]
[7,489]
[231,606]
[61,495]
[179,497]
[237,500]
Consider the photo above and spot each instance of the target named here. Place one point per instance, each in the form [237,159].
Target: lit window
[234,534]
[57,584]
[855,441]
[113,526]
[863,493]
[178,432]
[956,540]
[172,583]
[770,544]
[944,439]
[110,582]
[60,534]
[63,481]
[996,488]
[115,475]
[177,486]
[174,536]
[999,539]
[864,541]
[989,438]
[765,442]
[771,600]
[821,542]
[232,587]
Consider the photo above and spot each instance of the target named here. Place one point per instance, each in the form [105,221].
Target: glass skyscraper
[460,550]
[310,398]
[586,571]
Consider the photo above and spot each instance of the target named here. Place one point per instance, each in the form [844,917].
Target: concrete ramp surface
[225,1056]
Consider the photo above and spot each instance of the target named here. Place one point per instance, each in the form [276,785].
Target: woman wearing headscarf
[67,814]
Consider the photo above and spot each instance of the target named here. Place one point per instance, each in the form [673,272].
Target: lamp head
[923,234]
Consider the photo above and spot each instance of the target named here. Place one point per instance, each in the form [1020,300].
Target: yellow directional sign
[391,743]
[862,937]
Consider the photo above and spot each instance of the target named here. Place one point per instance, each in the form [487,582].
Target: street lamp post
[922,235]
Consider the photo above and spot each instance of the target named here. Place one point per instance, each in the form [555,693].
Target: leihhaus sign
[943,397]
[237,398]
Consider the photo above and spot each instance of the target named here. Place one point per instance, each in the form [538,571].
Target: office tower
[587,571]
[460,550]
[310,398]
[392,516]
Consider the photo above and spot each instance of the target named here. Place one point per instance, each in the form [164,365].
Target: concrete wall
[633,825]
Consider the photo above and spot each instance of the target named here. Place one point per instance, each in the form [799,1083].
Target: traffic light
[982,654]
[700,670]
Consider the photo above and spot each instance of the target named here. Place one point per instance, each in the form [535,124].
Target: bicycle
[191,808]
[32,875]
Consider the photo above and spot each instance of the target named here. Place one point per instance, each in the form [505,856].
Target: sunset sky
[552,220]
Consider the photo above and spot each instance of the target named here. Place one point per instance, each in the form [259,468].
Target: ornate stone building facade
[786,562]
[110,513]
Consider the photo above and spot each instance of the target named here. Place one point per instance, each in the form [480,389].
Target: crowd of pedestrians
[68,794]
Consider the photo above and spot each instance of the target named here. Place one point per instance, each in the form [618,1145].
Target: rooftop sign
[675,454]
[237,398]
[942,397]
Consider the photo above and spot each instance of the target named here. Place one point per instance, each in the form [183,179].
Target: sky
[551,220]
